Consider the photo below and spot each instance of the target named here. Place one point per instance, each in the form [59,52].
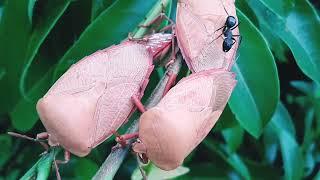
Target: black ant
[230,24]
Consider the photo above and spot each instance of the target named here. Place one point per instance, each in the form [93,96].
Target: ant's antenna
[224,8]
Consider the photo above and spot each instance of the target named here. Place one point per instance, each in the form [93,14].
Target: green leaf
[41,169]
[44,166]
[112,26]
[156,173]
[85,168]
[282,120]
[52,11]
[24,114]
[291,155]
[30,9]
[14,34]
[98,6]
[231,158]
[258,170]
[5,150]
[226,120]
[290,150]
[2,72]
[20,43]
[1,8]
[271,144]
[298,25]
[308,130]
[250,103]
[233,137]
[207,171]
[278,47]
[306,87]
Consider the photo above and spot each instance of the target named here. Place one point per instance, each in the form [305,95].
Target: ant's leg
[224,8]
[216,38]
[240,38]
[235,26]
[234,41]
[220,28]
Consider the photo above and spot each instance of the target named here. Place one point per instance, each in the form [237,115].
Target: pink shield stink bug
[199,37]
[169,131]
[97,94]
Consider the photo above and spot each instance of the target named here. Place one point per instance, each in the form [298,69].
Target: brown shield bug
[198,33]
[169,131]
[98,93]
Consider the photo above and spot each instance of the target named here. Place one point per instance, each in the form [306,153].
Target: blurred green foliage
[271,128]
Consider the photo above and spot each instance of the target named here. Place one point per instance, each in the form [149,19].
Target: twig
[116,157]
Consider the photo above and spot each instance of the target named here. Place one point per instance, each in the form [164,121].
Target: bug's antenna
[42,142]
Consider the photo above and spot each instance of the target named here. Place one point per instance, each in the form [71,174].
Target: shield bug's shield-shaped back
[199,36]
[172,129]
[94,97]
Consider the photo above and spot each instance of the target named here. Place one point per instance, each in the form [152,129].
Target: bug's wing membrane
[185,116]
[198,35]
[83,75]
[191,34]
[114,108]
[127,76]
[222,86]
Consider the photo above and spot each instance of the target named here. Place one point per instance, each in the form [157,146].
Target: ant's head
[231,21]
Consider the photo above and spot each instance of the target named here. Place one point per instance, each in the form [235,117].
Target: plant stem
[116,157]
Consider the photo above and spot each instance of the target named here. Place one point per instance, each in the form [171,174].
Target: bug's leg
[171,80]
[43,136]
[141,150]
[154,21]
[136,101]
[157,20]
[173,49]
[57,169]
[66,158]
[122,139]
[57,162]
[143,173]
[143,39]
[172,76]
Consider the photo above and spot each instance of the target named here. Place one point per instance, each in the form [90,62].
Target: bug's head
[58,114]
[141,150]
[231,21]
